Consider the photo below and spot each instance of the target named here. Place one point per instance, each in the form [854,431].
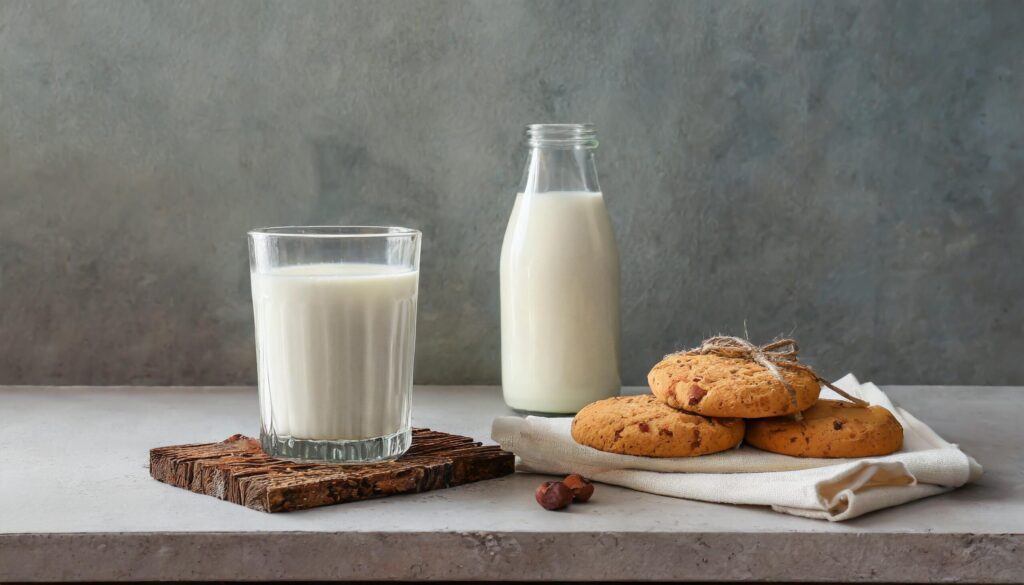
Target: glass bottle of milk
[559,279]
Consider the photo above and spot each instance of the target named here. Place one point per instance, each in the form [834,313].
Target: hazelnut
[580,487]
[553,495]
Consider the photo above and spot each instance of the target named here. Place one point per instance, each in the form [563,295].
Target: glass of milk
[335,312]
[559,279]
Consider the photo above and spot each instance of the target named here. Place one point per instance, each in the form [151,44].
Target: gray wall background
[847,172]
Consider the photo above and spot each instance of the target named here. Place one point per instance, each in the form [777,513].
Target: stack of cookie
[706,403]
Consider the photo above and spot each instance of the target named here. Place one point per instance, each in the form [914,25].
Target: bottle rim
[561,135]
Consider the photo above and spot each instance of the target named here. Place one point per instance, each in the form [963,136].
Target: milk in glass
[335,349]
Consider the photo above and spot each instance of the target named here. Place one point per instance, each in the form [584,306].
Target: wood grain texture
[237,470]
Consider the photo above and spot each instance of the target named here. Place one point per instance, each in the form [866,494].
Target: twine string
[781,353]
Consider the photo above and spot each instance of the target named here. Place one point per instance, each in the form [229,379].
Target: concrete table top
[77,503]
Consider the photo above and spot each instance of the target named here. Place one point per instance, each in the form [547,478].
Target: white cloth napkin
[832,489]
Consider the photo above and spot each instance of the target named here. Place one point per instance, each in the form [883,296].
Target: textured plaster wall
[848,172]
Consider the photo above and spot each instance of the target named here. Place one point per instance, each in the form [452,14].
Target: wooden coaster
[237,470]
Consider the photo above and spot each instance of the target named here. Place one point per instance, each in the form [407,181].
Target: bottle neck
[561,159]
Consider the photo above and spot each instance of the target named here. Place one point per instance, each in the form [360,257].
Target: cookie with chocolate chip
[645,426]
[830,428]
[714,385]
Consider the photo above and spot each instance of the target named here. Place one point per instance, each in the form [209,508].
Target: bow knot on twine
[781,353]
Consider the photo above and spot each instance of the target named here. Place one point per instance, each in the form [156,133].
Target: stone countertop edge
[653,556]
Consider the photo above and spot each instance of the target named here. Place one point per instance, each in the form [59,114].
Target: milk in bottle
[559,280]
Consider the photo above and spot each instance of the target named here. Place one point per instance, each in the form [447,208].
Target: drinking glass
[335,310]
